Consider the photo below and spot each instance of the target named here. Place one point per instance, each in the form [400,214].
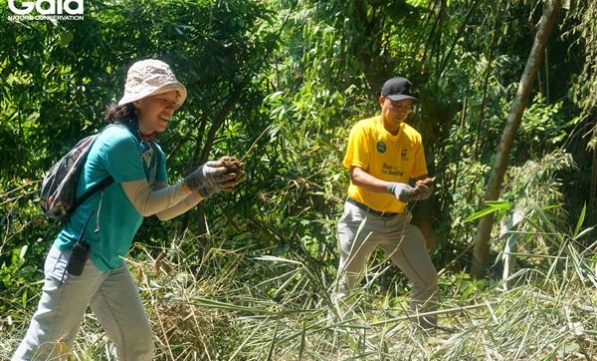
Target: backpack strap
[96,188]
[91,191]
[106,181]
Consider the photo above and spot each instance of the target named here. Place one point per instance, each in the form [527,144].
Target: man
[384,154]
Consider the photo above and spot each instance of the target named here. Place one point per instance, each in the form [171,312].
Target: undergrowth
[235,305]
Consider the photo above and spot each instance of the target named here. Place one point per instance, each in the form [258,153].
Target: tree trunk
[496,176]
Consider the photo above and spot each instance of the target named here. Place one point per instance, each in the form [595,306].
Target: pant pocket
[56,261]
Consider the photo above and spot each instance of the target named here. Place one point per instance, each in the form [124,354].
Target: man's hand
[424,188]
[406,193]
[402,191]
[209,178]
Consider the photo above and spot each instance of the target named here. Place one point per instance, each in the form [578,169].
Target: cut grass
[230,305]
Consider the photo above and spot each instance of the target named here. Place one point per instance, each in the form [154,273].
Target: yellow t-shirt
[385,156]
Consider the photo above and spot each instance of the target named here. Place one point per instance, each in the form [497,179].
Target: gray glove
[403,192]
[207,192]
[207,179]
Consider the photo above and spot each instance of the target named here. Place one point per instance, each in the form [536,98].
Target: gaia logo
[54,9]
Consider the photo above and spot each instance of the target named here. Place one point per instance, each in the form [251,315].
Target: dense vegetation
[279,83]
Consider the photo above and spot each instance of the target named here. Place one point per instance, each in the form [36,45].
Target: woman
[108,221]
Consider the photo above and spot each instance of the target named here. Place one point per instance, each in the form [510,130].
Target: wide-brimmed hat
[398,89]
[151,77]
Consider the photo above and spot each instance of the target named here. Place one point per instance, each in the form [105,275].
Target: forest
[507,109]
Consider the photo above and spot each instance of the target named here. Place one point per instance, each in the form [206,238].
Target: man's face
[395,112]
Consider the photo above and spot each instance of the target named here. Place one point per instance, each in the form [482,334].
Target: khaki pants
[360,232]
[112,296]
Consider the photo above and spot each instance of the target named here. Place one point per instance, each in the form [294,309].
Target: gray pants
[360,232]
[113,297]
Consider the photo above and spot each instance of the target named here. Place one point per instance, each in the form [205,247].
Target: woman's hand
[208,178]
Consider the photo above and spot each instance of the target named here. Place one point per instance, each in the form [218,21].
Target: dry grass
[233,306]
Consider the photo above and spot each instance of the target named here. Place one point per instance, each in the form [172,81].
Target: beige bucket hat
[151,77]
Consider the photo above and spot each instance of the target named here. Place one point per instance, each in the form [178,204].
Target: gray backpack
[59,186]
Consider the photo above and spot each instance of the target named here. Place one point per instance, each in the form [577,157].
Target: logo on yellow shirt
[381,147]
[404,154]
[391,170]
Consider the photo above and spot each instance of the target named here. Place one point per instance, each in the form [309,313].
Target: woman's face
[154,112]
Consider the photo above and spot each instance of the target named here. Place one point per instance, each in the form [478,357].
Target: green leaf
[66,38]
[493,206]
[581,220]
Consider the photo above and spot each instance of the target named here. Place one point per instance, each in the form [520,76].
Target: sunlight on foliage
[247,275]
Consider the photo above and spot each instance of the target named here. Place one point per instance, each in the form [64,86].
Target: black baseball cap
[398,89]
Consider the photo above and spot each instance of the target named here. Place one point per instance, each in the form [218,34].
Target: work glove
[402,191]
[208,178]
[424,187]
